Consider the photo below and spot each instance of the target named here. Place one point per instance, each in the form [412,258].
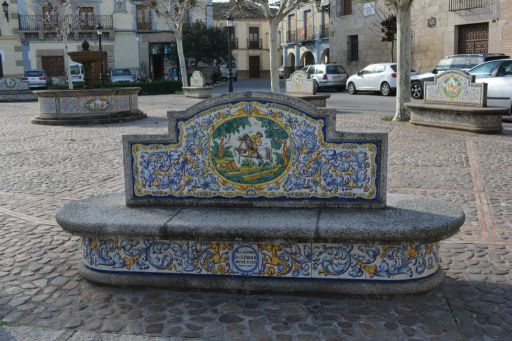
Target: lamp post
[229,25]
[99,33]
[5,8]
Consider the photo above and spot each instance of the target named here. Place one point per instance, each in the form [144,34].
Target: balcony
[144,26]
[254,44]
[34,23]
[324,31]
[291,37]
[464,5]
[306,34]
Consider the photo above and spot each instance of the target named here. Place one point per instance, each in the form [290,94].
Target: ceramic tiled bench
[258,192]
[453,100]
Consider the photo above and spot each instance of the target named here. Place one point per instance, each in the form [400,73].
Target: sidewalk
[42,296]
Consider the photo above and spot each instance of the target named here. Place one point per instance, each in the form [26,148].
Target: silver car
[224,71]
[121,75]
[37,79]
[498,76]
[327,75]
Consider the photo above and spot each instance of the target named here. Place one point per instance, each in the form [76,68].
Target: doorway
[254,66]
[473,38]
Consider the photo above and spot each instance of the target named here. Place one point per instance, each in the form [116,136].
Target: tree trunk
[66,61]
[181,57]
[403,88]
[274,57]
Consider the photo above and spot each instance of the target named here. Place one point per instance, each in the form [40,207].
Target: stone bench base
[91,106]
[197,92]
[17,96]
[317,100]
[482,120]
[381,251]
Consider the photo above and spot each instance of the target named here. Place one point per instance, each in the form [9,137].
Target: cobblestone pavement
[42,296]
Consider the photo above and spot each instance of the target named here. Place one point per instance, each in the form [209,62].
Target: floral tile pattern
[404,261]
[255,149]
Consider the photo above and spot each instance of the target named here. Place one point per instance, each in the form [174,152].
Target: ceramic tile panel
[397,262]
[255,150]
[455,87]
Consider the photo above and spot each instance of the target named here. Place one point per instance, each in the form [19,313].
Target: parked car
[458,61]
[224,71]
[121,75]
[498,76]
[327,75]
[375,77]
[77,72]
[37,79]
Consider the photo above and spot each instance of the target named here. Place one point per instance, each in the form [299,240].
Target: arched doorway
[291,60]
[307,58]
[325,56]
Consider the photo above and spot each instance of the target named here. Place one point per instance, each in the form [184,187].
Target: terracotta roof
[249,11]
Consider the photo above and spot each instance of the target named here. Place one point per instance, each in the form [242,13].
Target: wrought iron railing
[254,44]
[291,36]
[35,22]
[306,33]
[462,5]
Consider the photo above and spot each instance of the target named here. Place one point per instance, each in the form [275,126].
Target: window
[484,70]
[505,69]
[86,15]
[353,48]
[343,7]
[444,64]
[368,70]
[143,18]
[379,68]
[119,6]
[254,38]
[335,70]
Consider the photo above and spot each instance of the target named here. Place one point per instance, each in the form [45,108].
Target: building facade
[439,28]
[305,36]
[133,37]
[250,42]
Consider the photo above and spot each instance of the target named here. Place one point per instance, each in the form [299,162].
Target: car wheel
[416,90]
[316,87]
[351,88]
[385,89]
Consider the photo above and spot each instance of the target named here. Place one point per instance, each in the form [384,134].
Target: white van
[77,72]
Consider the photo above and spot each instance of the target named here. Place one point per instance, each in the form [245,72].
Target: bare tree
[404,47]
[274,12]
[61,17]
[174,14]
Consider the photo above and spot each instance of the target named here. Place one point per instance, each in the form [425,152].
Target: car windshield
[33,73]
[335,69]
[444,64]
[121,72]
[74,69]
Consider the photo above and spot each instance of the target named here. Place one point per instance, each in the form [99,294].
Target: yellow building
[251,30]
[133,37]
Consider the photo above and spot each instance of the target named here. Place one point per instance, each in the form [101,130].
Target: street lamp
[5,8]
[99,33]
[229,25]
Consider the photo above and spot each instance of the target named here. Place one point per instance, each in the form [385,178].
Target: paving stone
[230,319]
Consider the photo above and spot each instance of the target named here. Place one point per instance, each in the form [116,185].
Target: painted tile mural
[455,87]
[254,150]
[403,261]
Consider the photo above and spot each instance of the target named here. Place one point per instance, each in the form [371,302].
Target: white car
[374,77]
[121,76]
[224,71]
[327,75]
[498,76]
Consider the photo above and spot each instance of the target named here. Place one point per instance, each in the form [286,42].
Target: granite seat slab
[406,218]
